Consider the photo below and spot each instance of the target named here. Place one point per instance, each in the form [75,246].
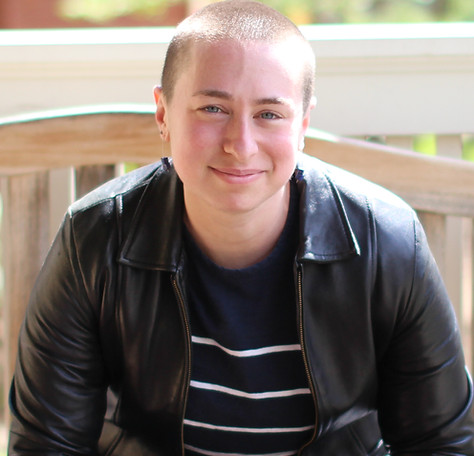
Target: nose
[239,138]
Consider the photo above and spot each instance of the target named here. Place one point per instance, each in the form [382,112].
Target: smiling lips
[236,175]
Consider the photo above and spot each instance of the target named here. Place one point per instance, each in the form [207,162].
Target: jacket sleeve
[58,392]
[425,391]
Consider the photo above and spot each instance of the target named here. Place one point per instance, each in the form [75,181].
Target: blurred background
[16,14]
[410,85]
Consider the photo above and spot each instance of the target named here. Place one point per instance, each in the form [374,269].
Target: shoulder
[132,182]
[101,219]
[375,215]
[349,185]
[362,201]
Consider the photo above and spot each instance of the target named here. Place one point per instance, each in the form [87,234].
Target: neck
[238,240]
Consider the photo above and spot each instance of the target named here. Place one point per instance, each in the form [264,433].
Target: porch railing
[393,82]
[67,153]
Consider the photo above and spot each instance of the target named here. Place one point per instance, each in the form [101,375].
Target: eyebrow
[213,93]
[227,96]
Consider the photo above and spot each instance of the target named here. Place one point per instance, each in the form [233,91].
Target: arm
[58,391]
[426,393]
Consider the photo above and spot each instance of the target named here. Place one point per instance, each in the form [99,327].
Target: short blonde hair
[241,20]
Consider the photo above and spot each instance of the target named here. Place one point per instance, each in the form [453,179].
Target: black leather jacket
[379,337]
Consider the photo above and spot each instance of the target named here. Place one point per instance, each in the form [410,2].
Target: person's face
[235,123]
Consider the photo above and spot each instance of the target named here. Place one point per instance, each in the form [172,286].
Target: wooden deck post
[90,177]
[25,225]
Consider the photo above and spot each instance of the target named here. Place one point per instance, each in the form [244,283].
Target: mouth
[237,175]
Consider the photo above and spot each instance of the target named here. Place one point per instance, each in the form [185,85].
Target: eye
[268,115]
[212,109]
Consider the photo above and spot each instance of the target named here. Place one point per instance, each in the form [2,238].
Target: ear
[305,123]
[161,113]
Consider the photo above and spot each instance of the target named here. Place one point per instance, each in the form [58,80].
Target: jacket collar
[154,239]
[326,234]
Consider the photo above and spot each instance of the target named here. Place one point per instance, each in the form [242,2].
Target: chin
[236,206]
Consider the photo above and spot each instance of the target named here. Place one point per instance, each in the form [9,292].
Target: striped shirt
[249,393]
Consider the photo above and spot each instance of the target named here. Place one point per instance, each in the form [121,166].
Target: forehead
[245,62]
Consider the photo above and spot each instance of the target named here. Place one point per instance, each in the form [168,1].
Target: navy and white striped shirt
[249,393]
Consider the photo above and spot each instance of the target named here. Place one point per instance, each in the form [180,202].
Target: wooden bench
[48,159]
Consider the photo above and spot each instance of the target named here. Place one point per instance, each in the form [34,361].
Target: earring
[165,163]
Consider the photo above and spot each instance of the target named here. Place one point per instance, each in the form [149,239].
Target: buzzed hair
[240,20]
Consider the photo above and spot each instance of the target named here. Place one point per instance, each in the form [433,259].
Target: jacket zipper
[179,297]
[299,291]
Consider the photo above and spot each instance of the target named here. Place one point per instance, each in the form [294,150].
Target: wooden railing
[440,188]
[47,160]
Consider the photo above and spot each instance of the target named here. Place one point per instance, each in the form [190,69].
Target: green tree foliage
[370,11]
[301,11]
[100,11]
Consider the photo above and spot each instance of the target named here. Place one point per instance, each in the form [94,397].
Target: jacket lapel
[154,240]
[326,233]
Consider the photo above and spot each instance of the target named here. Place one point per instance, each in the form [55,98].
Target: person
[239,298]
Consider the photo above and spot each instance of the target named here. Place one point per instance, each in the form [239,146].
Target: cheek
[190,154]
[182,159]
[290,164]
[285,153]
[206,136]
[197,136]
[284,164]
[284,147]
